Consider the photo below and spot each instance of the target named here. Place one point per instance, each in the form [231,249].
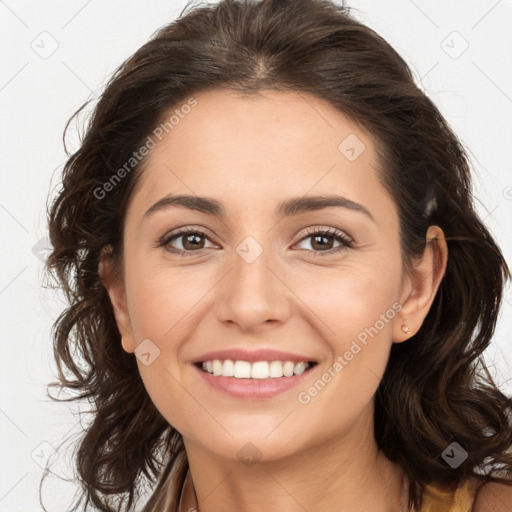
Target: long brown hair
[436,388]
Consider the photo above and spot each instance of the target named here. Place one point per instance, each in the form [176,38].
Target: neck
[347,474]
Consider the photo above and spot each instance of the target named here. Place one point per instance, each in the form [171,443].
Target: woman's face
[257,285]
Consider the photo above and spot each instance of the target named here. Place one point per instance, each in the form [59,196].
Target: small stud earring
[406,329]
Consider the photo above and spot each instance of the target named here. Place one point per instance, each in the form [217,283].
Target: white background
[38,95]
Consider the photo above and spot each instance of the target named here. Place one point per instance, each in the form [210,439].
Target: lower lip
[253,388]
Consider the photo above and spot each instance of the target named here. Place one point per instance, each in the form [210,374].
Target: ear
[113,282]
[421,285]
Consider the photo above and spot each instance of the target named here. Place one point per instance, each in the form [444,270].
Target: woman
[279,288]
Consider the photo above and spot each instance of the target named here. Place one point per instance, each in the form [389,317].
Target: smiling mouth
[254,370]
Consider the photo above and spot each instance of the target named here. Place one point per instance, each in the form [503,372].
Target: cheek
[352,299]
[161,300]
[163,305]
[358,309]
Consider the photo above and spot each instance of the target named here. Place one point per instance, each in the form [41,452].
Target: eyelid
[327,230]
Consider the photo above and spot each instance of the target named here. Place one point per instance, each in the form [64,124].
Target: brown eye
[192,241]
[322,241]
[185,242]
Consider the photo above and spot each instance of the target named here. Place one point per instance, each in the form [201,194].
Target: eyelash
[346,242]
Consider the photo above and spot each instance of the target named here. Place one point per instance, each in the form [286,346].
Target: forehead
[254,149]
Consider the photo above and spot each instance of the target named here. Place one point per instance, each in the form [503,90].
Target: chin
[251,450]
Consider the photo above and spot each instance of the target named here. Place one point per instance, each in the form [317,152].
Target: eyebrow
[287,208]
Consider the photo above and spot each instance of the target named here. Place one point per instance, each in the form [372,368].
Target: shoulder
[493,497]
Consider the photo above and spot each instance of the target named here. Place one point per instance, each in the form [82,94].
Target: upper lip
[239,354]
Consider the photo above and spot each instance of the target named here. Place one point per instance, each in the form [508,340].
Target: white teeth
[217,367]
[242,370]
[299,368]
[228,368]
[288,369]
[256,370]
[259,370]
[276,369]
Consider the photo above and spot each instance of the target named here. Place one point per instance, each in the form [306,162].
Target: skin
[251,154]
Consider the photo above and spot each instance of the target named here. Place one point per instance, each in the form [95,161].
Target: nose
[253,294]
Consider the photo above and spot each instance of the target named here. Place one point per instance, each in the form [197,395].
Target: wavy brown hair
[436,388]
